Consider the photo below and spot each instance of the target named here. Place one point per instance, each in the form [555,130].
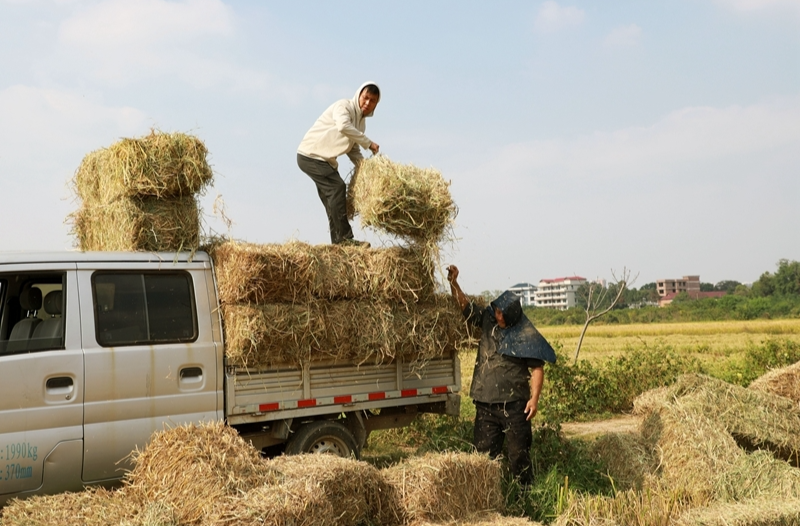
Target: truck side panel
[330,387]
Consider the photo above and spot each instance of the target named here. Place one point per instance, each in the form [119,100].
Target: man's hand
[374,147]
[530,408]
[452,273]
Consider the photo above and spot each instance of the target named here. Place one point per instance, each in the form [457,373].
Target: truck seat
[49,333]
[31,301]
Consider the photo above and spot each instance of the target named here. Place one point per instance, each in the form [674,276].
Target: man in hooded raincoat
[508,376]
[339,130]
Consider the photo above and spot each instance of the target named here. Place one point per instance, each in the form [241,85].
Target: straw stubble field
[712,342]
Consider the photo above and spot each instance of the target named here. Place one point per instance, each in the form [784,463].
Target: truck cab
[98,351]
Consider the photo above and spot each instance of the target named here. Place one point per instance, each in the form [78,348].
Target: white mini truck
[100,349]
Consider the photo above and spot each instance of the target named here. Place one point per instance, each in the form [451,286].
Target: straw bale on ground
[297,272]
[777,511]
[148,224]
[626,456]
[316,490]
[92,507]
[757,475]
[190,467]
[694,449]
[483,519]
[756,420]
[782,382]
[623,509]
[402,200]
[361,330]
[649,401]
[165,165]
[447,486]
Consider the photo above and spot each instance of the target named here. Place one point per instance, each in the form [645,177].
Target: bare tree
[597,298]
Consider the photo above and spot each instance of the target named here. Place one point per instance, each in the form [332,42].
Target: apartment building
[689,284]
[526,292]
[558,293]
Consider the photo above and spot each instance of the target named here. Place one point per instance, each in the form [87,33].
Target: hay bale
[403,200]
[624,508]
[758,475]
[164,165]
[316,490]
[627,458]
[694,449]
[771,511]
[360,330]
[755,419]
[189,468]
[297,272]
[92,507]
[649,401]
[447,486]
[781,382]
[483,519]
[131,224]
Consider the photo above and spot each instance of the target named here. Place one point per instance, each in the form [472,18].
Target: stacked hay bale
[294,302]
[141,194]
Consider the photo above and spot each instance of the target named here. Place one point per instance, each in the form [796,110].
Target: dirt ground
[621,424]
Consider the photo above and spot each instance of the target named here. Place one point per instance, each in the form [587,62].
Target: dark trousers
[492,421]
[333,194]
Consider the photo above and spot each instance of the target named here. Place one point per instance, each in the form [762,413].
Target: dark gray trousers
[493,423]
[333,194]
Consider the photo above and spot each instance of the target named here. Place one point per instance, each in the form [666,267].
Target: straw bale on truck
[296,272]
[140,194]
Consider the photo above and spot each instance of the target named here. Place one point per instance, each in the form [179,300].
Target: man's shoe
[354,243]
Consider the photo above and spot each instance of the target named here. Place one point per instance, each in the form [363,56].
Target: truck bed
[330,386]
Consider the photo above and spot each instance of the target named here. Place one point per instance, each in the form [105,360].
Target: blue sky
[580,137]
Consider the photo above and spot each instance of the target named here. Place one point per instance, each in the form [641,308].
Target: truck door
[41,378]
[150,359]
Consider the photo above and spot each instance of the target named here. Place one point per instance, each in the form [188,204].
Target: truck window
[143,308]
[31,312]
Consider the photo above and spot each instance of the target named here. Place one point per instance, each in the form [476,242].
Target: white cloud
[552,17]
[623,36]
[41,125]
[122,41]
[684,137]
[123,23]
[758,5]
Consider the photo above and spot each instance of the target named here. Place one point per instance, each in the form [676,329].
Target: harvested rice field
[708,341]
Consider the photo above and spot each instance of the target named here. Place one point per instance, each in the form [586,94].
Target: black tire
[323,436]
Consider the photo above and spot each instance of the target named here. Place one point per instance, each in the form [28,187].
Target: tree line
[773,295]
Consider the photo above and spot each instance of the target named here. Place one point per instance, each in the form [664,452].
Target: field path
[621,424]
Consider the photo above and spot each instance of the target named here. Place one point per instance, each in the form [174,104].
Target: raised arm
[455,289]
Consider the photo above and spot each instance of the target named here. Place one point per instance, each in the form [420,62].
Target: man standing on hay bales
[339,130]
[508,376]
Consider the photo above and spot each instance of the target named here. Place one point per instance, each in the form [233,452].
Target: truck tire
[323,436]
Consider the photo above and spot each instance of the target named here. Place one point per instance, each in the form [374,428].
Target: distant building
[689,284]
[526,292]
[669,288]
[558,293]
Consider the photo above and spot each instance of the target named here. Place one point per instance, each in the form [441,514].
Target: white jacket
[340,129]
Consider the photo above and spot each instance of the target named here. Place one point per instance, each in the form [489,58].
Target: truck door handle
[59,386]
[191,374]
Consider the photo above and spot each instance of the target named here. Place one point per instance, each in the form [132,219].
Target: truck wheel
[321,437]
